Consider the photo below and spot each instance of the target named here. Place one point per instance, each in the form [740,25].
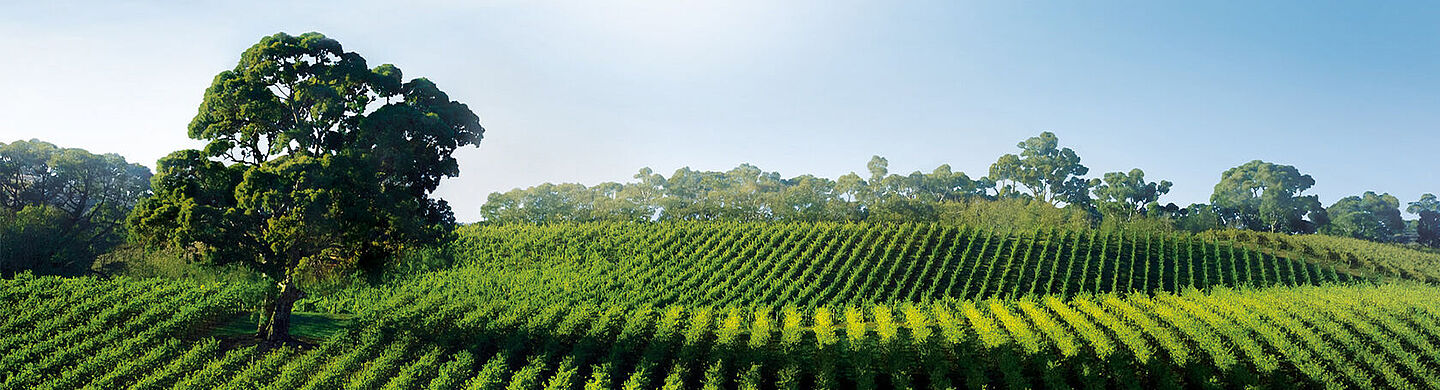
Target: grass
[305,326]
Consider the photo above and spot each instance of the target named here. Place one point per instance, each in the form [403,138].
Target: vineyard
[87,333]
[809,265]
[1373,259]
[762,306]
[73,333]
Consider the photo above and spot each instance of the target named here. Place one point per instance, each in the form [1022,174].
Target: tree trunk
[266,309]
[275,321]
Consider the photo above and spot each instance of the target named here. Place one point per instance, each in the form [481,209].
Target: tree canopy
[745,193]
[314,159]
[1051,174]
[1374,217]
[1128,194]
[59,207]
[1427,228]
[1257,195]
[1267,197]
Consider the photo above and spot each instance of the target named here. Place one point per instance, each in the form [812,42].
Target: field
[765,306]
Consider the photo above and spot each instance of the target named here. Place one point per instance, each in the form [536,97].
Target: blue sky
[589,92]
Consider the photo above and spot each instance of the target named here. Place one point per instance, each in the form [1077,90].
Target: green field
[764,306]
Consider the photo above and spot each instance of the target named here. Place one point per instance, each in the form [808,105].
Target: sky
[588,91]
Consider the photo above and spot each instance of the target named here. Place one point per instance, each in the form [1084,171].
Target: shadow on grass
[310,328]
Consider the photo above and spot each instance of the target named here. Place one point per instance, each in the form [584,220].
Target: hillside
[1356,256]
[761,306]
[809,265]
[1278,337]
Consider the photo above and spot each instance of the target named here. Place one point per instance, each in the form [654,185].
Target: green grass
[305,326]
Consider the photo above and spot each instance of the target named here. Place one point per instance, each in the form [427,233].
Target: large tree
[314,159]
[1428,227]
[1052,174]
[1127,195]
[1264,196]
[1374,217]
[59,207]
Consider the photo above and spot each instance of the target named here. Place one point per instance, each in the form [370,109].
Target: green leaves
[331,164]
[329,161]
[1370,216]
[1428,227]
[62,206]
[1267,197]
[1050,173]
[1128,194]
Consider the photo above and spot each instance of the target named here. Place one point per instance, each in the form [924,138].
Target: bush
[1012,214]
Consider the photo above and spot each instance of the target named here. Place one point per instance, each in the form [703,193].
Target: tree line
[1042,182]
[60,207]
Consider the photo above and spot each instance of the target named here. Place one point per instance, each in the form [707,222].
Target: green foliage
[67,333]
[436,331]
[1128,195]
[30,239]
[1366,259]
[170,263]
[1199,217]
[330,164]
[60,207]
[1050,173]
[742,194]
[1010,214]
[747,193]
[317,172]
[724,264]
[1263,196]
[1142,225]
[1428,227]
[1370,217]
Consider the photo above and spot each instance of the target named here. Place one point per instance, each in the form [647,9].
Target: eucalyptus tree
[1264,196]
[1374,217]
[313,159]
[1051,174]
[1127,195]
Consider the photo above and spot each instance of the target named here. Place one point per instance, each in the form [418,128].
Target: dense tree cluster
[745,193]
[1044,182]
[1128,195]
[1050,173]
[59,207]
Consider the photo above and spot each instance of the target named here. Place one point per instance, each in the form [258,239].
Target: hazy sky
[584,92]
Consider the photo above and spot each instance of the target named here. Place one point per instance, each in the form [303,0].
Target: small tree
[313,158]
